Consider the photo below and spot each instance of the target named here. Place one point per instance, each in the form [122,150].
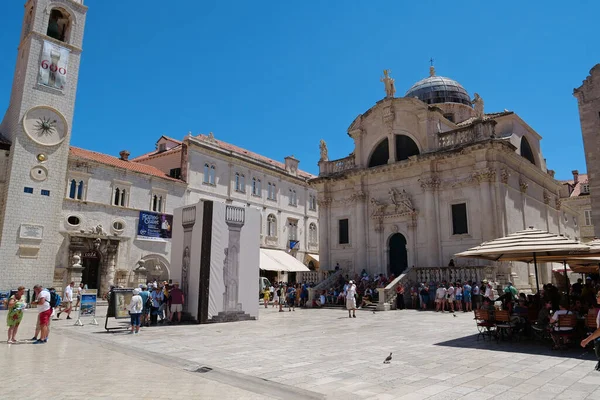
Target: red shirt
[176,296]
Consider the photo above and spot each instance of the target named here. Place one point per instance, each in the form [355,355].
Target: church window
[344,234]
[312,202]
[28,190]
[76,188]
[588,217]
[73,220]
[380,155]
[526,151]
[312,234]
[120,196]
[293,199]
[45,192]
[292,229]
[459,219]
[59,25]
[158,200]
[405,147]
[272,191]
[256,187]
[449,116]
[118,225]
[271,226]
[240,183]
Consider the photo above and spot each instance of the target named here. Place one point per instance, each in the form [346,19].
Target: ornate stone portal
[93,246]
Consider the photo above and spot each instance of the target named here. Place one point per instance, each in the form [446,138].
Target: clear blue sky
[277,76]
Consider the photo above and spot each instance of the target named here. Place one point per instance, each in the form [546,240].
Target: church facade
[431,175]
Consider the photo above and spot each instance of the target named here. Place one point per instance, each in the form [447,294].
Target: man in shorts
[177,302]
[44,313]
[351,299]
[67,304]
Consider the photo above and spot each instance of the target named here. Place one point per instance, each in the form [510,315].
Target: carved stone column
[430,185]
[485,177]
[362,228]
[188,219]
[235,218]
[380,245]
[523,185]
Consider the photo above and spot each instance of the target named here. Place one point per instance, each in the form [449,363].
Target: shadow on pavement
[524,345]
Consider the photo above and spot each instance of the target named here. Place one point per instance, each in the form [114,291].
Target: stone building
[220,171]
[431,175]
[588,100]
[576,193]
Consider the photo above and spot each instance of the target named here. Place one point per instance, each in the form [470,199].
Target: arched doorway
[156,267]
[398,254]
[91,269]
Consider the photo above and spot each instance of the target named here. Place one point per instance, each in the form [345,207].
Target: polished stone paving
[297,355]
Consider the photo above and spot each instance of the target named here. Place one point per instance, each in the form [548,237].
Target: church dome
[438,89]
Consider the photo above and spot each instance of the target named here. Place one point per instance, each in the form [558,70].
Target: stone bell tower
[38,126]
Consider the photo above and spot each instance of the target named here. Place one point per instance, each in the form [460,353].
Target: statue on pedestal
[388,82]
[323,148]
[478,105]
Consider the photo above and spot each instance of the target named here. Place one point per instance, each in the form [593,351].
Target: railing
[387,295]
[335,166]
[453,274]
[456,138]
[323,285]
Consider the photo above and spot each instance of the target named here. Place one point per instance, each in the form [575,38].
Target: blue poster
[88,305]
[154,226]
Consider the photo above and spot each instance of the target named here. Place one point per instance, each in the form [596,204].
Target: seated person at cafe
[554,321]
[544,316]
[489,306]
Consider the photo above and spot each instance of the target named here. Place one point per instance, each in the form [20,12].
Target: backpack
[278,292]
[55,299]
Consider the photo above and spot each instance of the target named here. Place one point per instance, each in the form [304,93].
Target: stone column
[430,186]
[523,185]
[75,271]
[235,218]
[361,228]
[485,177]
[324,242]
[380,245]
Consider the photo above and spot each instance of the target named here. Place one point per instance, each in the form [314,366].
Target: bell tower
[38,125]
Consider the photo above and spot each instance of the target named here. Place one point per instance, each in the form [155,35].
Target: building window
[209,174]
[293,198]
[75,189]
[58,25]
[158,202]
[312,234]
[73,220]
[240,183]
[312,202]
[526,150]
[28,190]
[344,236]
[585,188]
[271,226]
[588,217]
[162,147]
[120,197]
[256,187]
[459,219]
[449,117]
[272,191]
[118,226]
[45,192]
[175,173]
[292,229]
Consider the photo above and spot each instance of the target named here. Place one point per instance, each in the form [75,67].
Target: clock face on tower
[45,125]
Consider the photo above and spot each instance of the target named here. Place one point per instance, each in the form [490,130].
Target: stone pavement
[317,353]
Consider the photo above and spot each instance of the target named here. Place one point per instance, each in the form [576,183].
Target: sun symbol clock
[45,125]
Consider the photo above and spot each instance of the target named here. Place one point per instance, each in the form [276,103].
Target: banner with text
[54,66]
[154,226]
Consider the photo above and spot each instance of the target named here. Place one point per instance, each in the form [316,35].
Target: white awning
[279,260]
[314,256]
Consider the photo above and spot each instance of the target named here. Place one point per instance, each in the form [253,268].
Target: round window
[118,225]
[73,220]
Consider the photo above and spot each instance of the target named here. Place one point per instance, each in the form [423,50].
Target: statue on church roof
[478,105]
[323,148]
[388,82]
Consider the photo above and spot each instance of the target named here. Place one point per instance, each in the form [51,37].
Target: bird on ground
[388,359]
[373,312]
[454,315]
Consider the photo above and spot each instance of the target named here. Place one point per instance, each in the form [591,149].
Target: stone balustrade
[336,166]
[323,285]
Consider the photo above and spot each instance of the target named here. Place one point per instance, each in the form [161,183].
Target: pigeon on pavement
[388,359]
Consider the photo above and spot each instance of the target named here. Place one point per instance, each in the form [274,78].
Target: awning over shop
[313,256]
[279,260]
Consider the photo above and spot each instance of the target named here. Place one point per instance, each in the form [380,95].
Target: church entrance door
[91,269]
[398,254]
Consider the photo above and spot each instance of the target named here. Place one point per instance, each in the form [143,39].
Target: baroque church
[433,174]
[68,213]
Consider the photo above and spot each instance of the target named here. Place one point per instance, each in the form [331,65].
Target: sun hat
[136,291]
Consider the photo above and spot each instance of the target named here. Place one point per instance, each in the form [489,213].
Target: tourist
[135,308]
[468,297]
[67,304]
[79,290]
[16,305]
[400,296]
[44,314]
[440,298]
[557,338]
[424,293]
[458,295]
[577,287]
[276,294]
[595,336]
[165,307]
[351,299]
[177,302]
[450,291]
[146,305]
[157,301]
[291,298]
[476,296]
[266,294]
[489,291]
[413,296]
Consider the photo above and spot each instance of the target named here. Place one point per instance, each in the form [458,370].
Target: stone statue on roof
[323,148]
[478,105]
[388,82]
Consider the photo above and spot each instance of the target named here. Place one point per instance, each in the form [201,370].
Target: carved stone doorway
[398,255]
[91,272]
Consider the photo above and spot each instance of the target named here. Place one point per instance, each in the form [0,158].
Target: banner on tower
[54,66]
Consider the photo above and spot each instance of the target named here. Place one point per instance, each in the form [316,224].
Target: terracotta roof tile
[155,153]
[576,188]
[238,150]
[118,163]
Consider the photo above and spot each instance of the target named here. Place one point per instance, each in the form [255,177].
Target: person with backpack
[147,305]
[55,301]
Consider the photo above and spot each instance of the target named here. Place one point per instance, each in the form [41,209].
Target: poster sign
[121,299]
[54,66]
[88,303]
[154,226]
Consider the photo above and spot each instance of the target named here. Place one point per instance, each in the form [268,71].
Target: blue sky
[277,76]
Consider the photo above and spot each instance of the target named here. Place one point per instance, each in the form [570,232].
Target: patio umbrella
[529,245]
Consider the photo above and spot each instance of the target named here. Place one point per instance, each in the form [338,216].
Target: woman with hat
[135,308]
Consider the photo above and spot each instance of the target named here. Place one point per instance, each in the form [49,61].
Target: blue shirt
[144,294]
[157,298]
